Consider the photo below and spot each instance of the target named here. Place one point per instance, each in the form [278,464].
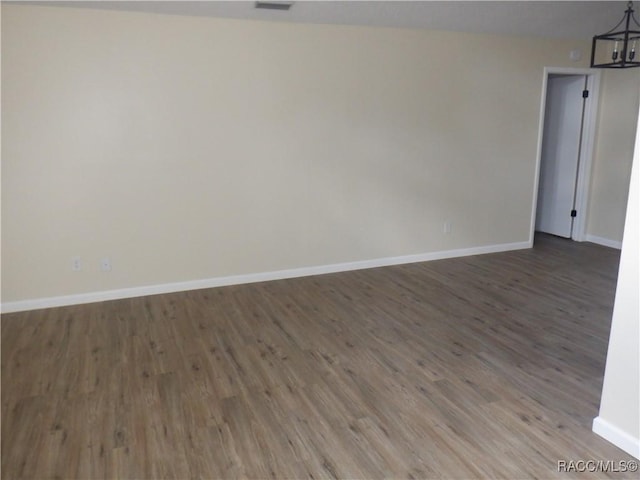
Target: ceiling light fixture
[274,5]
[617,48]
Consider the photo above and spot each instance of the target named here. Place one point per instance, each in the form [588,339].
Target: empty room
[350,239]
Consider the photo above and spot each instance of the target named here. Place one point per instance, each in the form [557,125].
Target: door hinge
[585,94]
[574,213]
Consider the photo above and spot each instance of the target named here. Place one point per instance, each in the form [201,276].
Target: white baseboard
[607,242]
[619,438]
[78,299]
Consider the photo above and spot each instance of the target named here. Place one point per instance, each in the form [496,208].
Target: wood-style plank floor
[480,367]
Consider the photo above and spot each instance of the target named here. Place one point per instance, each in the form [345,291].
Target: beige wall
[191,148]
[613,155]
[619,419]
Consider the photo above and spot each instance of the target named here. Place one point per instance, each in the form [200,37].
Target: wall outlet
[76,264]
[105,264]
[446,228]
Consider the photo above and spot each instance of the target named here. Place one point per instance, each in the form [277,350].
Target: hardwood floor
[479,367]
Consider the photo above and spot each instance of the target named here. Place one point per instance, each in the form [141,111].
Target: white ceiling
[560,19]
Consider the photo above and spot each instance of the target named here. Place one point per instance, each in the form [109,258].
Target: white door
[560,154]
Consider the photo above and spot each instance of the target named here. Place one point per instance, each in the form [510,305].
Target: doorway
[565,148]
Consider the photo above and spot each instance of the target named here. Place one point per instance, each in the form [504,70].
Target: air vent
[274,5]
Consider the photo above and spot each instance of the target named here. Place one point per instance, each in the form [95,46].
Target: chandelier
[617,47]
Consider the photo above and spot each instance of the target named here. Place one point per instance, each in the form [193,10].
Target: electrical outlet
[105,264]
[446,228]
[76,264]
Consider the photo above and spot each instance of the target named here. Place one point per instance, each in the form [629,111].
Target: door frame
[578,232]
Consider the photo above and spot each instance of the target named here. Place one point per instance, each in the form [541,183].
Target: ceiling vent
[274,5]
